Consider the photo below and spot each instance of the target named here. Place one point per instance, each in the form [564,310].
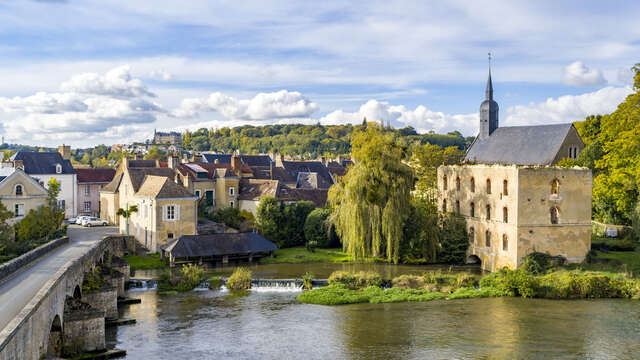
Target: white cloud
[568,108]
[116,82]
[89,107]
[276,105]
[578,74]
[421,118]
[161,75]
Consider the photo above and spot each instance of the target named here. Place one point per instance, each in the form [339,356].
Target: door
[209,194]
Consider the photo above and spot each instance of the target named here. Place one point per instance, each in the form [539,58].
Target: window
[487,238]
[87,190]
[232,191]
[171,212]
[231,203]
[209,195]
[169,235]
[505,242]
[555,187]
[505,214]
[488,212]
[458,183]
[553,212]
[197,192]
[473,185]
[488,186]
[444,205]
[505,188]
[18,190]
[472,235]
[87,206]
[18,210]
[62,204]
[444,182]
[573,152]
[58,169]
[472,209]
[457,206]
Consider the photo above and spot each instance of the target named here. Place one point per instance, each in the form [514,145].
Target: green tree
[7,233]
[127,214]
[425,160]
[454,239]
[318,230]
[421,232]
[372,202]
[156,154]
[283,223]
[56,212]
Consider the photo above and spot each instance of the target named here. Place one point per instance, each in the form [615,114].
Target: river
[273,325]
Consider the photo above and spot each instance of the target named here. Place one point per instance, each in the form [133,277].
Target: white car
[80,219]
[94,221]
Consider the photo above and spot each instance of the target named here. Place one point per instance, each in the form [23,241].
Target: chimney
[139,157]
[279,160]
[236,164]
[185,158]
[173,161]
[197,158]
[216,161]
[17,164]
[65,151]
[125,162]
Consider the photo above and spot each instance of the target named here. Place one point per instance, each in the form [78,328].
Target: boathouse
[214,248]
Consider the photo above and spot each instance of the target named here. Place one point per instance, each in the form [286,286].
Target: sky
[90,72]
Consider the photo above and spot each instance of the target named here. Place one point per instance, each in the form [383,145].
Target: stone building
[166,209]
[515,201]
[90,182]
[170,138]
[19,192]
[216,184]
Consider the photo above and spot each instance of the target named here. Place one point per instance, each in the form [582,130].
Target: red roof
[95,175]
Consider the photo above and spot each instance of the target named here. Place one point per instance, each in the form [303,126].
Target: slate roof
[519,145]
[251,160]
[255,189]
[311,180]
[218,245]
[293,168]
[137,175]
[43,162]
[162,187]
[336,169]
[114,184]
[142,163]
[95,175]
[317,196]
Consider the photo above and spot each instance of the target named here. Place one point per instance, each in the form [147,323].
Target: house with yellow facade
[19,192]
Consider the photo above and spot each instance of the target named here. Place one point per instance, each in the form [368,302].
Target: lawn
[146,262]
[300,255]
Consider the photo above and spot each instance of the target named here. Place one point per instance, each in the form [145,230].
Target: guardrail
[14,266]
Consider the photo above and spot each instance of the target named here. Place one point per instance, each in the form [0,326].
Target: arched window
[505,187]
[488,212]
[487,238]
[553,212]
[457,206]
[444,182]
[505,214]
[472,235]
[488,186]
[473,185]
[58,169]
[555,187]
[458,183]
[505,242]
[444,205]
[472,209]
[18,190]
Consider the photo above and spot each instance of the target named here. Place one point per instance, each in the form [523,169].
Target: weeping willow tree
[373,200]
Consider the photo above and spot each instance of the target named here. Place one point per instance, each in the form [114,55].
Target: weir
[260,285]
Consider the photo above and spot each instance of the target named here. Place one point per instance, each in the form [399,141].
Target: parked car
[94,221]
[81,218]
[72,220]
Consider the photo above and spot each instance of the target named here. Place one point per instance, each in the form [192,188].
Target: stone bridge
[52,319]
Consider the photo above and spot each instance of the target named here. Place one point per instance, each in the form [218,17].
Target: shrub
[356,280]
[317,230]
[192,274]
[215,283]
[239,280]
[306,281]
[454,240]
[537,263]
[93,280]
[512,282]
[408,282]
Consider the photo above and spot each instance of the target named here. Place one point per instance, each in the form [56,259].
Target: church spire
[488,93]
[488,110]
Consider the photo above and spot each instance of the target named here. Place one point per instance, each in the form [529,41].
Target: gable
[30,187]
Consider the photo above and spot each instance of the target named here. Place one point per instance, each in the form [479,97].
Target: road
[16,293]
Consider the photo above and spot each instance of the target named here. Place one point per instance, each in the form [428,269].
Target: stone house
[19,192]
[215,184]
[515,201]
[167,137]
[166,209]
[90,182]
[46,165]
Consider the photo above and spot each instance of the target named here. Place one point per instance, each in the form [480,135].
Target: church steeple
[488,110]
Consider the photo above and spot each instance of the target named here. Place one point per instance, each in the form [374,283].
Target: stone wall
[12,266]
[105,299]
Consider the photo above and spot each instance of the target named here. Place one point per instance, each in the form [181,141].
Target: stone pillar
[117,280]
[105,298]
[83,328]
[122,266]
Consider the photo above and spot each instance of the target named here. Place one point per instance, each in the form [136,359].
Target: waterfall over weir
[257,285]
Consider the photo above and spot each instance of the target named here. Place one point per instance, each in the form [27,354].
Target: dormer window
[18,190]
[58,169]
[232,191]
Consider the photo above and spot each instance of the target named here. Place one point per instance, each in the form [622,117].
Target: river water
[273,325]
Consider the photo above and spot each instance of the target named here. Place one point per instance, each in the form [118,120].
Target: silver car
[81,218]
[94,221]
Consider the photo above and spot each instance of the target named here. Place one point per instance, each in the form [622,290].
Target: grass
[146,262]
[300,255]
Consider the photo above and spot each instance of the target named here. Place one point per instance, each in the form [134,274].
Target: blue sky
[86,72]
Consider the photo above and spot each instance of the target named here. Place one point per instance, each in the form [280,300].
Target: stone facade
[512,211]
[20,193]
[105,299]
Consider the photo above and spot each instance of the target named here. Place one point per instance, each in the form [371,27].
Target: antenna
[489,55]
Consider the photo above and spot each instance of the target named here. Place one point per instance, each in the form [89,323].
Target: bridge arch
[77,292]
[54,345]
[473,259]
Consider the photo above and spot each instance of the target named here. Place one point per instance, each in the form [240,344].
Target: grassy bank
[553,284]
[300,255]
[145,262]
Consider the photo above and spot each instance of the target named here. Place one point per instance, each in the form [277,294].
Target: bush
[186,279]
[408,282]
[537,263]
[192,274]
[306,281]
[355,280]
[215,283]
[240,280]
[318,231]
[454,240]
[512,282]
[93,280]
[283,223]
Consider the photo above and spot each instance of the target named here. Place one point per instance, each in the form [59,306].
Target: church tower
[488,112]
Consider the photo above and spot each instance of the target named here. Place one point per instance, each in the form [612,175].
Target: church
[514,199]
